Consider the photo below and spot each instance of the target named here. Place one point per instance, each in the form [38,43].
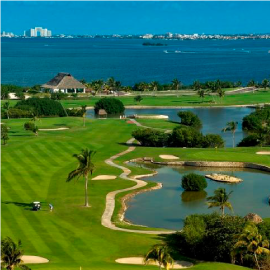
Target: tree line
[113,85]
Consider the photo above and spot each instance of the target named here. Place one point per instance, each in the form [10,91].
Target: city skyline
[90,18]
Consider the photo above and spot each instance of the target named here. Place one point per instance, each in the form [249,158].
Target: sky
[154,17]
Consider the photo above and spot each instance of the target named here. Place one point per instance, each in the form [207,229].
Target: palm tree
[6,106]
[221,93]
[220,199]
[201,93]
[154,86]
[11,254]
[251,241]
[160,254]
[118,86]
[84,114]
[231,126]
[85,167]
[197,85]
[111,83]
[176,84]
[265,83]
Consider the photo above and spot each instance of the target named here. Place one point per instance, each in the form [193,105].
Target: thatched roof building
[102,113]
[64,82]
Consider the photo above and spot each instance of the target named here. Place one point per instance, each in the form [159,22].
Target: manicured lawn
[260,96]
[34,168]
[236,99]
[158,123]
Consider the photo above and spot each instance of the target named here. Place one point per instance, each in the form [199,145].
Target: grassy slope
[35,168]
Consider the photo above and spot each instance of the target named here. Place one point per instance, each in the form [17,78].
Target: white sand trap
[263,153]
[104,177]
[51,129]
[33,259]
[168,157]
[139,261]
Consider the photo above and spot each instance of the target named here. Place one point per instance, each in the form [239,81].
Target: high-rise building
[38,32]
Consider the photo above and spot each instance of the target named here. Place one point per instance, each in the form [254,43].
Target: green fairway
[158,123]
[35,168]
[236,99]
[260,96]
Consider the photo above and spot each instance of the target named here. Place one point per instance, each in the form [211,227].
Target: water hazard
[168,207]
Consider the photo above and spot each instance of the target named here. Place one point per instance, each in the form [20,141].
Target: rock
[253,218]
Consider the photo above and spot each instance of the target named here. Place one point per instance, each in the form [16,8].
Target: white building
[148,36]
[65,83]
[7,34]
[38,32]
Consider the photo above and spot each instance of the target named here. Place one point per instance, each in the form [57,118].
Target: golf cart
[36,206]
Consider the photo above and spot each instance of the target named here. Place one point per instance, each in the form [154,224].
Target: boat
[165,51]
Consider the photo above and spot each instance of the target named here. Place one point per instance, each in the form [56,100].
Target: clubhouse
[65,83]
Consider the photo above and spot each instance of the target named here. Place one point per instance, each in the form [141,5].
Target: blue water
[168,207]
[213,119]
[35,61]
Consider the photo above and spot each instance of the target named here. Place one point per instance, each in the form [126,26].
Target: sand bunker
[104,177]
[263,153]
[168,157]
[139,261]
[33,259]
[52,129]
[152,116]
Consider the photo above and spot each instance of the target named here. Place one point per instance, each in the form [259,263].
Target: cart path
[106,219]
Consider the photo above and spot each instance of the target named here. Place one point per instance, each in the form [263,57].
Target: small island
[223,178]
[153,44]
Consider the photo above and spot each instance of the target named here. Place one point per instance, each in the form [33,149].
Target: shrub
[150,137]
[31,126]
[17,113]
[42,107]
[193,182]
[256,120]
[110,105]
[190,119]
[75,112]
[208,237]
[251,140]
[213,141]
[186,137]
[138,98]
[59,96]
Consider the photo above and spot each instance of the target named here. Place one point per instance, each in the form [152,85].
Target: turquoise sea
[35,61]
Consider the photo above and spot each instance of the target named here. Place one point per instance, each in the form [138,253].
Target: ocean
[28,62]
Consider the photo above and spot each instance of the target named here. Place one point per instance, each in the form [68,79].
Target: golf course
[35,168]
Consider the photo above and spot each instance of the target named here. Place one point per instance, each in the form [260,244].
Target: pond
[213,119]
[167,207]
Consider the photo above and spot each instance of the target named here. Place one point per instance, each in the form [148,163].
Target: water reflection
[193,196]
[168,207]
